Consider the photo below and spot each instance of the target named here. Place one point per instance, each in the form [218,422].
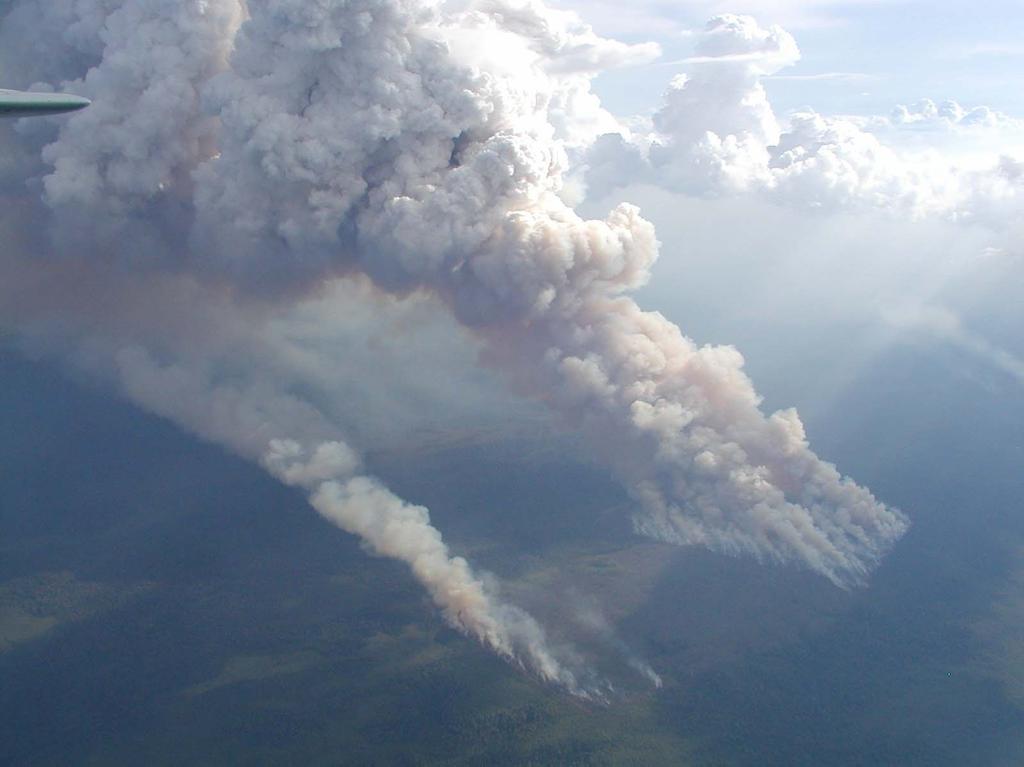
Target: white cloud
[949,115]
[717,134]
[664,18]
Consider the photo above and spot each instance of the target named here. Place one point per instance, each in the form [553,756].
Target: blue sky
[895,52]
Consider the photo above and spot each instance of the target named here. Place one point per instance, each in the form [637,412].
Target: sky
[301,232]
[859,272]
[868,56]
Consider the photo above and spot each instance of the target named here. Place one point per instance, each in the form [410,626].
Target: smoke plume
[316,460]
[264,149]
[449,180]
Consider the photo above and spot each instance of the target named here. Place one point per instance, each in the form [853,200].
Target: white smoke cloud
[230,381]
[52,58]
[124,172]
[263,151]
[314,458]
[470,210]
[589,615]
[120,170]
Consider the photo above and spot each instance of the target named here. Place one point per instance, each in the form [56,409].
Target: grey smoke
[263,150]
[315,459]
[449,181]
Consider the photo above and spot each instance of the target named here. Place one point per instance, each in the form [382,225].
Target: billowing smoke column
[383,145]
[250,421]
[264,149]
[121,191]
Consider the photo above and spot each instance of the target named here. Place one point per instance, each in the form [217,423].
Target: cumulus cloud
[720,112]
[716,134]
[950,115]
[263,152]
